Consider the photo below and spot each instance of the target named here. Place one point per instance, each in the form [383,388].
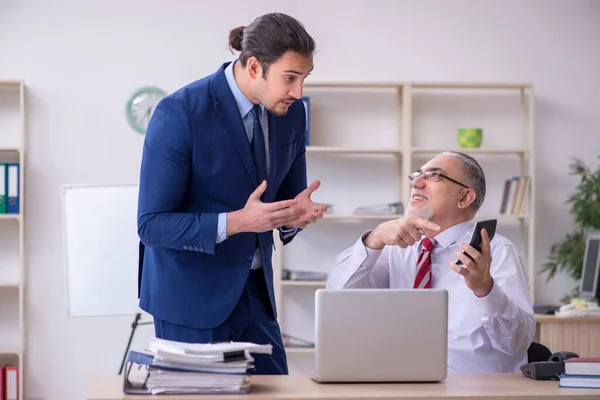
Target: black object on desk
[548,370]
[544,309]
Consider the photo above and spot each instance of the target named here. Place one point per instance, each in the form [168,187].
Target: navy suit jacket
[197,163]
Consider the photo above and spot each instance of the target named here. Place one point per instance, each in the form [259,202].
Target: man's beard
[425,212]
[279,113]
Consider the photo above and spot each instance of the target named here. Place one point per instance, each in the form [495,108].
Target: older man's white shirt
[485,335]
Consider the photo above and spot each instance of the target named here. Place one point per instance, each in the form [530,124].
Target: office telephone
[548,370]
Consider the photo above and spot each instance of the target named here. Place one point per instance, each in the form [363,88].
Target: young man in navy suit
[224,165]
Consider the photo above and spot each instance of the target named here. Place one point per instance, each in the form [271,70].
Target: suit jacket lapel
[229,114]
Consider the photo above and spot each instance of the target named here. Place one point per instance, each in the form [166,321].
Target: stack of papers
[191,368]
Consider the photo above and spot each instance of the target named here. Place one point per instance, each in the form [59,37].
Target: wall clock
[141,105]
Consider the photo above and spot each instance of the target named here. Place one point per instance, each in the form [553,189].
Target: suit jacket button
[199,248]
[249,257]
[185,247]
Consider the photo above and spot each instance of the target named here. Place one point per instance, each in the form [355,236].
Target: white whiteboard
[101,249]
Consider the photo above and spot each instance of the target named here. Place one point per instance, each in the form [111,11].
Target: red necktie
[423,279]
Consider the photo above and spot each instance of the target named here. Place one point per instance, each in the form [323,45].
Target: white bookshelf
[473,152]
[299,350]
[382,217]
[312,284]
[352,150]
[396,135]
[15,217]
[12,232]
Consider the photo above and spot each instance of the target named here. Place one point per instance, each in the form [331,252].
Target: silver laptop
[381,335]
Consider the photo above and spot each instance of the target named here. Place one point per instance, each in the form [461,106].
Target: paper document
[191,368]
[207,348]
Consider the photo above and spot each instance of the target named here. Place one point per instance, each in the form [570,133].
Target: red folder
[2,379]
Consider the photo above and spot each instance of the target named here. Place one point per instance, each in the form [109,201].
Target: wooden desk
[578,334]
[298,387]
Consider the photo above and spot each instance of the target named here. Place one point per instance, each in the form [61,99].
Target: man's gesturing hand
[257,216]
[310,211]
[401,232]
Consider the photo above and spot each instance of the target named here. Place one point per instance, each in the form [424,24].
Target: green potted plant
[567,255]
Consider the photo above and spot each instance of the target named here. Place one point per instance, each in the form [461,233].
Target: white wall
[81,61]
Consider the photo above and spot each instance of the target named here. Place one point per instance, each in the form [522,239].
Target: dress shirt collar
[244,105]
[450,235]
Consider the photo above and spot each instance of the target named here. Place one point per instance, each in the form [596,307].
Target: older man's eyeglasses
[434,176]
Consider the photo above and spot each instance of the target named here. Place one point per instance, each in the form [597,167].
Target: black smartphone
[490,227]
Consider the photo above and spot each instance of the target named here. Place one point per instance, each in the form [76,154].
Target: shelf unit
[350,150]
[12,232]
[312,284]
[407,153]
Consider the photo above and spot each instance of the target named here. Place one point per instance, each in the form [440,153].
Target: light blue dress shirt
[245,106]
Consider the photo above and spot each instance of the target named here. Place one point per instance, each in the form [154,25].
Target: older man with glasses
[491,323]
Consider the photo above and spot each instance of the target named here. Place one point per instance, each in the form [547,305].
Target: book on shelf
[9,188]
[299,275]
[390,208]
[171,367]
[515,195]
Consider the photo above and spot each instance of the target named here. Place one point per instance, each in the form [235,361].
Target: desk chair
[538,352]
